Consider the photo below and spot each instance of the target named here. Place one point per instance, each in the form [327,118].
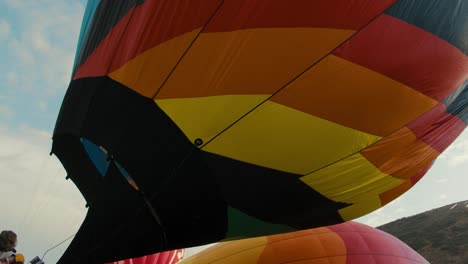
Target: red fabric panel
[409,55]
[157,21]
[365,244]
[98,63]
[341,14]
[144,27]
[420,174]
[437,128]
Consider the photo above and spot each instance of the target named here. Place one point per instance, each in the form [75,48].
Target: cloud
[4,29]
[42,105]
[42,49]
[461,158]
[13,3]
[375,220]
[400,210]
[23,55]
[6,112]
[442,196]
[388,213]
[11,78]
[441,180]
[40,195]
[39,57]
[456,154]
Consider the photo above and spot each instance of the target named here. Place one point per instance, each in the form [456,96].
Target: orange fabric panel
[392,194]
[354,96]
[232,252]
[302,245]
[144,27]
[251,61]
[292,235]
[401,154]
[146,72]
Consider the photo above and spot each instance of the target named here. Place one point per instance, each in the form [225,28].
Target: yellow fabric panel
[233,252]
[354,96]
[282,138]
[205,117]
[146,72]
[353,180]
[369,204]
[249,61]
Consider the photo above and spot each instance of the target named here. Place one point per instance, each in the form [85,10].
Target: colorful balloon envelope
[191,122]
[347,243]
[166,257]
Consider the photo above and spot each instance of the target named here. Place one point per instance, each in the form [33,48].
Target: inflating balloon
[191,122]
[347,243]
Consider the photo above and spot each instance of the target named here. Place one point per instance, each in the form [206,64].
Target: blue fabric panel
[447,19]
[91,7]
[457,102]
[97,156]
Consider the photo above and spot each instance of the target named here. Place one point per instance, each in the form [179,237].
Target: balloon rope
[47,251]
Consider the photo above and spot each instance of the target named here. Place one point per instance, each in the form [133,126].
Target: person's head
[8,240]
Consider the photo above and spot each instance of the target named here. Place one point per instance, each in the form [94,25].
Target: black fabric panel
[273,196]
[75,106]
[138,134]
[108,14]
[161,160]
[116,226]
[457,102]
[193,210]
[447,19]
[158,156]
[79,167]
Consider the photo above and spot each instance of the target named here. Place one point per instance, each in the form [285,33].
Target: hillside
[440,235]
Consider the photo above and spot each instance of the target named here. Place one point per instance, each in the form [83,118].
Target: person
[8,243]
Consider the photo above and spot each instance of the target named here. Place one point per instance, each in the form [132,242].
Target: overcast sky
[37,46]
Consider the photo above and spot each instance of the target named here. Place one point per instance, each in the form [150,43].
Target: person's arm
[7,260]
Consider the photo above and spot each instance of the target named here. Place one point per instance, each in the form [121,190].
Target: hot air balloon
[191,122]
[347,243]
[166,257]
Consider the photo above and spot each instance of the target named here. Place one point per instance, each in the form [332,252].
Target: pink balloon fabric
[167,257]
